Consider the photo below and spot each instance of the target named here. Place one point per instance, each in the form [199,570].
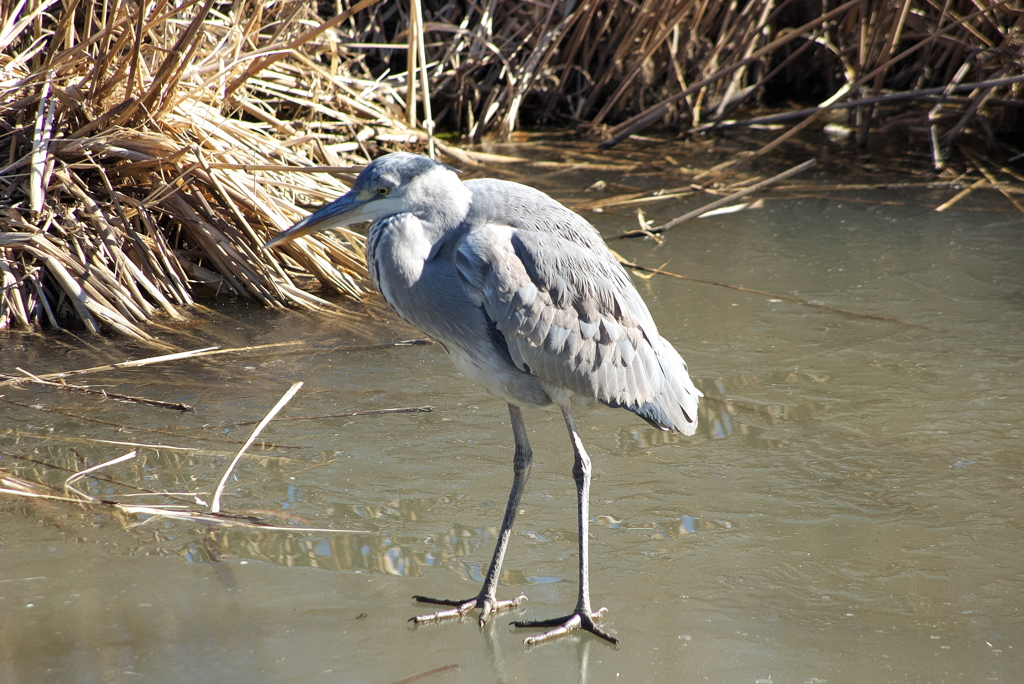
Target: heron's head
[393,184]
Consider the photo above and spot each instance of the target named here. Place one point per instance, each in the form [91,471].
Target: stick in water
[215,507]
[721,202]
[82,473]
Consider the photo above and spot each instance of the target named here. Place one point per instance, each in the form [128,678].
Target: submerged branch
[342,414]
[175,405]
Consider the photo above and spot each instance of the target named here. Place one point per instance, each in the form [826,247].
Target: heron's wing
[570,315]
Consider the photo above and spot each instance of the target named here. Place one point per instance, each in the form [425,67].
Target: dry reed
[949,65]
[146,150]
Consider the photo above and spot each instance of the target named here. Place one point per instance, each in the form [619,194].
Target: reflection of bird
[527,300]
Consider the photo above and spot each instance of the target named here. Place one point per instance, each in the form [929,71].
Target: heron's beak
[348,209]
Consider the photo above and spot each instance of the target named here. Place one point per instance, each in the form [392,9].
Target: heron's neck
[443,203]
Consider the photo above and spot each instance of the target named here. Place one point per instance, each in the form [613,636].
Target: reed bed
[145,151]
[938,67]
[151,146]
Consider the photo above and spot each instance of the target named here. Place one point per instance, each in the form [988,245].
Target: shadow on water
[849,511]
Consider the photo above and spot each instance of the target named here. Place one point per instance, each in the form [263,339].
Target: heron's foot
[564,625]
[487,605]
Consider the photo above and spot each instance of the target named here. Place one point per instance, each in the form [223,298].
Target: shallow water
[851,509]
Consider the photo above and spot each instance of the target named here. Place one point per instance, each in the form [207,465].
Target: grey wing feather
[571,316]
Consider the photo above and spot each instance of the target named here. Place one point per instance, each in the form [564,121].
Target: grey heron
[528,301]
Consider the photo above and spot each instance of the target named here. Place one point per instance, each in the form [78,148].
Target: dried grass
[690,64]
[145,153]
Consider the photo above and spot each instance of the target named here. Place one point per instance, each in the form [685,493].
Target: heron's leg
[582,617]
[487,601]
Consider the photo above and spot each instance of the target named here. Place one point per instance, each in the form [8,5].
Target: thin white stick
[82,473]
[143,444]
[215,508]
[421,50]
[41,147]
[735,196]
[162,359]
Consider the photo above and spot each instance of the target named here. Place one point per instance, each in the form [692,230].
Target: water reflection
[725,412]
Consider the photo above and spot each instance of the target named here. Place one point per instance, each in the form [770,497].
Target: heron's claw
[569,623]
[486,605]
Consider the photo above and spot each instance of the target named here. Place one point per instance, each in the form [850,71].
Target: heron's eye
[383,191]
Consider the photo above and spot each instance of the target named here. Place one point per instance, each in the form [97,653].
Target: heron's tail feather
[674,407]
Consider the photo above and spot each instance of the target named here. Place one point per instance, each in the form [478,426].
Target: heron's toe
[578,620]
[491,606]
[488,605]
[459,609]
